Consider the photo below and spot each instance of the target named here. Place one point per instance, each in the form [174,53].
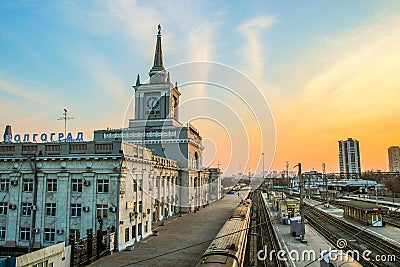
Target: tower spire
[158,58]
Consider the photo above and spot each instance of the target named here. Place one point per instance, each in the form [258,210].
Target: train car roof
[218,260]
[229,232]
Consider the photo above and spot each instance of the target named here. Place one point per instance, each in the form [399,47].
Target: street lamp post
[263,166]
[303,229]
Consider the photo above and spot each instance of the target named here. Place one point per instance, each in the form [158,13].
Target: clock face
[152,104]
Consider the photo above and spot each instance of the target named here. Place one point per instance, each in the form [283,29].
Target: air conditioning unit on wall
[113,209]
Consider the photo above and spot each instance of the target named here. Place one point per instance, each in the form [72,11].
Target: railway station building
[124,179]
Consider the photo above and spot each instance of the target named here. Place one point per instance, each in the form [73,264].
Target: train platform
[315,243]
[388,232]
[178,233]
[337,212]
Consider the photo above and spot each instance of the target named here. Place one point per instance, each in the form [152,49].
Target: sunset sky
[328,70]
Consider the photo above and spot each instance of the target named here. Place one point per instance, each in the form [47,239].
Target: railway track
[333,229]
[392,220]
[267,233]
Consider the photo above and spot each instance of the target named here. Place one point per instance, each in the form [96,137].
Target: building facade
[394,158]
[51,190]
[349,157]
[124,179]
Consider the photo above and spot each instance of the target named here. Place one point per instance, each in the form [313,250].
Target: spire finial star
[159,29]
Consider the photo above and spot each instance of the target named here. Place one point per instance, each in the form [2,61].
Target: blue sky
[85,55]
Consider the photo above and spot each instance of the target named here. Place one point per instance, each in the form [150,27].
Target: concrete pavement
[178,233]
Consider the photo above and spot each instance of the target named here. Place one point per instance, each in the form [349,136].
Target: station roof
[354,182]
[362,205]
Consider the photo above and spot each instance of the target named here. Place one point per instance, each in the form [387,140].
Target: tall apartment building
[349,157]
[394,158]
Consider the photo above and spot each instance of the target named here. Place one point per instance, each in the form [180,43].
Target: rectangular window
[26,209]
[76,233]
[140,206]
[146,226]
[102,186]
[51,209]
[102,210]
[28,185]
[25,233]
[3,208]
[51,185]
[126,234]
[103,147]
[2,232]
[4,184]
[76,210]
[76,185]
[49,234]
[43,264]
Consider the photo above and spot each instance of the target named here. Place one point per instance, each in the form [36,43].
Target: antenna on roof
[65,118]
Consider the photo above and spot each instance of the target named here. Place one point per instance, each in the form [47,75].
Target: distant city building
[394,158]
[349,157]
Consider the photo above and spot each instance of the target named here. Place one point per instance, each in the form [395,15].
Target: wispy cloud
[95,65]
[352,92]
[254,50]
[25,91]
[201,41]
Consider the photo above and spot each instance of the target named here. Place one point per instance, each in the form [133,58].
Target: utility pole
[65,118]
[287,173]
[303,229]
[326,185]
[263,167]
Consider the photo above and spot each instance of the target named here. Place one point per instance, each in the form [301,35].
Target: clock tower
[156,126]
[156,102]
